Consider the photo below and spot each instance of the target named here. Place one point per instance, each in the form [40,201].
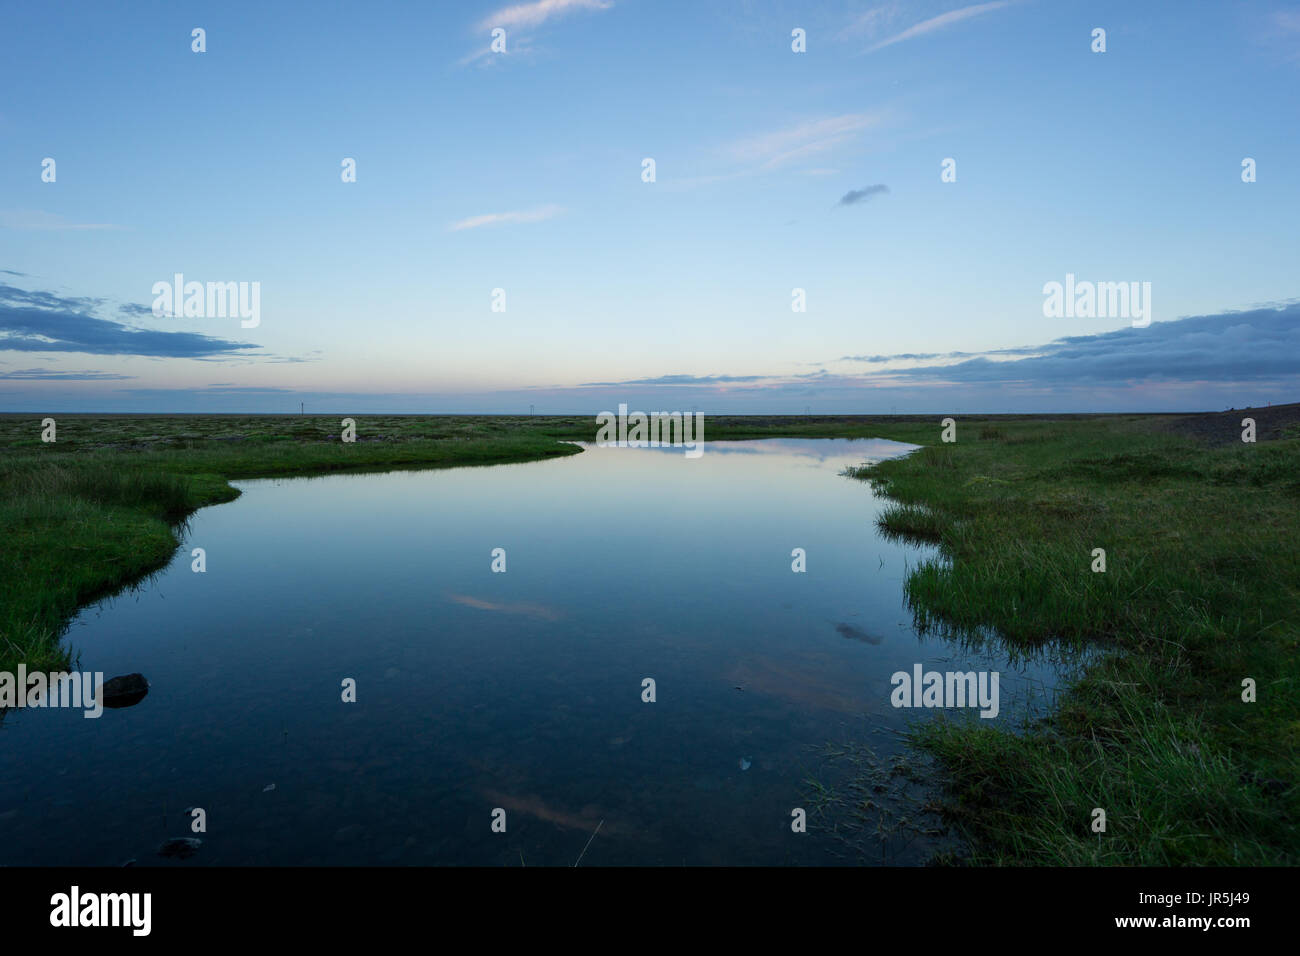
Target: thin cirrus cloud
[34,220]
[539,214]
[940,22]
[811,138]
[522,16]
[536,13]
[51,375]
[929,356]
[519,48]
[680,380]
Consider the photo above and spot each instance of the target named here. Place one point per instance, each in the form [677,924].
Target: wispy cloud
[539,214]
[37,221]
[1286,32]
[538,12]
[872,21]
[855,196]
[46,374]
[680,380]
[929,356]
[940,22]
[485,56]
[779,148]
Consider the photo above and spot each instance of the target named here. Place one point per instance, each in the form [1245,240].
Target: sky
[501,248]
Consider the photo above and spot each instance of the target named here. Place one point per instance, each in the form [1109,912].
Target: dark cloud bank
[46,322]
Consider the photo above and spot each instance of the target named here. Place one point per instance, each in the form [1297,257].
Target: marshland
[522,690]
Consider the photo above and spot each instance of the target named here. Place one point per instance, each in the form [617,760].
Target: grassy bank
[104,504]
[1201,590]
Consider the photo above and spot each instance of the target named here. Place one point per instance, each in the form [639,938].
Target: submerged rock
[125,691]
[180,848]
[856,634]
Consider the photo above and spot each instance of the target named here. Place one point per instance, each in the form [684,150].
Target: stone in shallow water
[180,848]
[124,691]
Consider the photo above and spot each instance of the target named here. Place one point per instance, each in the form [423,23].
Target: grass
[1199,593]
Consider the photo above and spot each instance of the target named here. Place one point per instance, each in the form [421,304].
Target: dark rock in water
[125,691]
[180,848]
[849,631]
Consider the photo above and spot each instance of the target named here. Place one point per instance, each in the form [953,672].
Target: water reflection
[519,691]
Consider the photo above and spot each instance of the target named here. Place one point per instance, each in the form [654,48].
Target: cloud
[1226,350]
[1285,32]
[926,356]
[46,322]
[33,220]
[495,218]
[862,195]
[900,357]
[45,374]
[679,380]
[810,138]
[1256,345]
[872,20]
[536,13]
[485,56]
[941,21]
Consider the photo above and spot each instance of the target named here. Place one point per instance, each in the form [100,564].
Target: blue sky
[522,171]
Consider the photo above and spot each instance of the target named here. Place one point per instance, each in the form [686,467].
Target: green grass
[1199,592]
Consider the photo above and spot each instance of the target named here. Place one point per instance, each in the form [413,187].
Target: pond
[519,696]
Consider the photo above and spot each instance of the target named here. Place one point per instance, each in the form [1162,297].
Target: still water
[521,690]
